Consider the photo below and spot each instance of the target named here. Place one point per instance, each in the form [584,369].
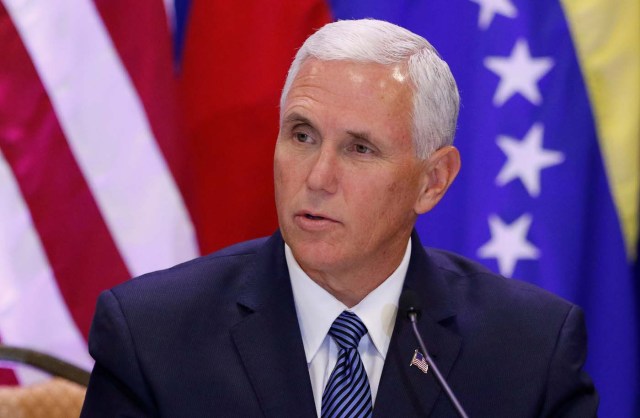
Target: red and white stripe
[88,192]
[33,311]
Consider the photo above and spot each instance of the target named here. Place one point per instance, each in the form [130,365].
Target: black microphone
[410,306]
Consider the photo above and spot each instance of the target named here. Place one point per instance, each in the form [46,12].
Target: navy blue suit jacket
[218,337]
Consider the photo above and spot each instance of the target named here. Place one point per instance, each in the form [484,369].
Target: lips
[315,216]
[314,221]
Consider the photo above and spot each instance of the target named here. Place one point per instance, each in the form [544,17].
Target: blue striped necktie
[347,393]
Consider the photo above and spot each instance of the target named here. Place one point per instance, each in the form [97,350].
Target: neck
[352,285]
[350,292]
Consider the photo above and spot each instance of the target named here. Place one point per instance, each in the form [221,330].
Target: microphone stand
[413,317]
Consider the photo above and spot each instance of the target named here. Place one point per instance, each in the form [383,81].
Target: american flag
[419,361]
[124,149]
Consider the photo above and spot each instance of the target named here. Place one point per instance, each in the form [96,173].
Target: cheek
[400,192]
[372,201]
[392,200]
[287,175]
[279,177]
[277,174]
[281,164]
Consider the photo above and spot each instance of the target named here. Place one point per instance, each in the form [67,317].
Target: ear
[440,169]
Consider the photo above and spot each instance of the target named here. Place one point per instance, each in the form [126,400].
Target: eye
[362,149]
[301,137]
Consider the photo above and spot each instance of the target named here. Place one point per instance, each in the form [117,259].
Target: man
[305,323]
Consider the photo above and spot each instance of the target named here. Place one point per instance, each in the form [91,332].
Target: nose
[323,174]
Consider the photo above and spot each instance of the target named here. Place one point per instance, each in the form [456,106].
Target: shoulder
[209,279]
[232,259]
[476,289]
[521,335]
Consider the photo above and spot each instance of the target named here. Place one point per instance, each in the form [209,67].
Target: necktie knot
[347,330]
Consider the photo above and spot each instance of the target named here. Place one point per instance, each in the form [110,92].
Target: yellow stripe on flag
[607,38]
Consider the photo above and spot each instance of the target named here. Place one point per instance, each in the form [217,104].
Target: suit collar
[269,342]
[268,338]
[405,390]
[426,279]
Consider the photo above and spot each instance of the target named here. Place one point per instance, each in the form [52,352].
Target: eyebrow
[364,136]
[296,117]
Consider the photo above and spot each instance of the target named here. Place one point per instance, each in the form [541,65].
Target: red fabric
[235,61]
[7,377]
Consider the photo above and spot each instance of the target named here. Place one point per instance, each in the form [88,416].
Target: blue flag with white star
[535,199]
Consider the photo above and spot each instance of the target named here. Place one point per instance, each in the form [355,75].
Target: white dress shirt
[317,309]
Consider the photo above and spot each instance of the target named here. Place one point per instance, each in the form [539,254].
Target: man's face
[347,179]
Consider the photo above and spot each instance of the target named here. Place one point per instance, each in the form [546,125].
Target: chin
[316,256]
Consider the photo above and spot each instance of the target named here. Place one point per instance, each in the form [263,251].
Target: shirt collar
[317,309]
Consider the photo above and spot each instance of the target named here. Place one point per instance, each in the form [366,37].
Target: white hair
[435,94]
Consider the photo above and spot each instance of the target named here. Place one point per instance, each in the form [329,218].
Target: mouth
[314,218]
[314,222]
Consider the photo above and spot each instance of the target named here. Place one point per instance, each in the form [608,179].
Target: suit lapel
[406,391]
[268,339]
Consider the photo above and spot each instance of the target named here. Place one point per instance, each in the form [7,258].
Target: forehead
[348,78]
[376,95]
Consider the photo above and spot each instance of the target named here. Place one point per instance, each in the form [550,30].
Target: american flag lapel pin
[419,361]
